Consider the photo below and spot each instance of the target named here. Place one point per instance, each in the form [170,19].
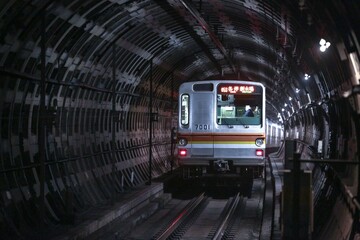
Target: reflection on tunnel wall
[274,135]
[328,127]
[328,130]
[79,152]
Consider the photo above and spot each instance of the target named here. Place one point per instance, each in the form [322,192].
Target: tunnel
[89,97]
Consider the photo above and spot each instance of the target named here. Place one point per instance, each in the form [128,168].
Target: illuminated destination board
[236,89]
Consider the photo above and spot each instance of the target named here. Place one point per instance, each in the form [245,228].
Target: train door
[202,124]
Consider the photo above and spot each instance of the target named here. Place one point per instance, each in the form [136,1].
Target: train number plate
[202,127]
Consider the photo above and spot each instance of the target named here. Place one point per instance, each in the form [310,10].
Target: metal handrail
[347,195]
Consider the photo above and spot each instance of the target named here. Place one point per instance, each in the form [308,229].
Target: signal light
[259,152]
[182,152]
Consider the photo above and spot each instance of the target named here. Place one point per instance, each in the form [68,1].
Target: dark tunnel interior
[84,84]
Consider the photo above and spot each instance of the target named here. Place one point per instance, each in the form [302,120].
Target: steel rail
[220,230]
[188,209]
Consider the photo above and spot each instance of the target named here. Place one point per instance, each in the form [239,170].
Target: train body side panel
[202,124]
[240,148]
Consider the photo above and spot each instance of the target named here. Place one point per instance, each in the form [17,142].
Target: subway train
[221,128]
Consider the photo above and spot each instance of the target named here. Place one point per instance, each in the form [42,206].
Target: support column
[173,129]
[297,199]
[113,111]
[42,121]
[150,120]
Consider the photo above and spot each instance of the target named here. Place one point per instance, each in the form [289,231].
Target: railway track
[186,220]
[204,217]
[181,221]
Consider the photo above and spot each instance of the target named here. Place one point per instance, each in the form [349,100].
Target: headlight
[259,142]
[182,142]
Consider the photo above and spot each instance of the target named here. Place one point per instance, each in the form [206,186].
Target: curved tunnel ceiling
[77,79]
[274,42]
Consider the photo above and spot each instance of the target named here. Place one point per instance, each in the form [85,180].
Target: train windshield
[239,104]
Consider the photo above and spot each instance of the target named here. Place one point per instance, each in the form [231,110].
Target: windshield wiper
[224,122]
[241,122]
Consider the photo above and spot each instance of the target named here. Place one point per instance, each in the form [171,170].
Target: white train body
[213,133]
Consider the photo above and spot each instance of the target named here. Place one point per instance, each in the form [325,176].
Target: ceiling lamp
[307,76]
[324,45]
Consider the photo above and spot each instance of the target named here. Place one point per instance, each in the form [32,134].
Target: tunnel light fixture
[324,45]
[282,109]
[356,66]
[290,98]
[306,76]
[285,105]
[297,90]
[309,97]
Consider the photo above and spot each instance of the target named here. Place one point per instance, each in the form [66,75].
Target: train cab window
[239,108]
[185,103]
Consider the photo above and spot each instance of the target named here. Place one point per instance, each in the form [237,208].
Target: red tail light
[182,152]
[259,152]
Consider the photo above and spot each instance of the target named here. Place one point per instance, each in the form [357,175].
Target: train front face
[221,128]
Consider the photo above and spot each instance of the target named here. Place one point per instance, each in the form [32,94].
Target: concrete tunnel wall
[77,121]
[90,45]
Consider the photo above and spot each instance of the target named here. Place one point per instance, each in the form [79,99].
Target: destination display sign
[234,89]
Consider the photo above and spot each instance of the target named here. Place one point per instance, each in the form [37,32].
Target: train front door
[202,125]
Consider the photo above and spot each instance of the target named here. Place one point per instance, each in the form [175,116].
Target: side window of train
[185,105]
